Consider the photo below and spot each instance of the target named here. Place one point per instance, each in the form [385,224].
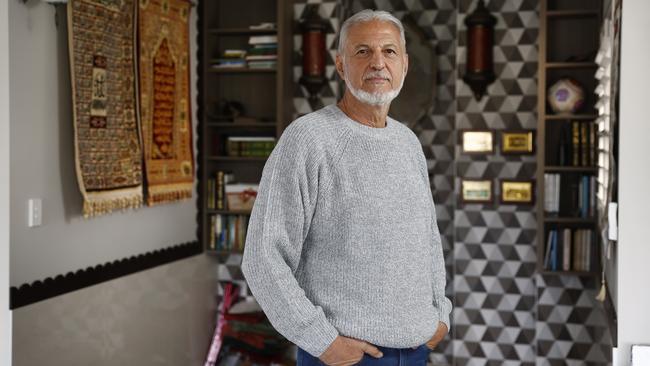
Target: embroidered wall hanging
[165,99]
[108,152]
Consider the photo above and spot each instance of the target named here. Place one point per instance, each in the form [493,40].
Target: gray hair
[368,15]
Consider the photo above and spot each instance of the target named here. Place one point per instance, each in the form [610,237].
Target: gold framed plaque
[517,192]
[518,142]
[477,142]
[476,191]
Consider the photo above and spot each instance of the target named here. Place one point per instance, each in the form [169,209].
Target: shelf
[242,125]
[576,169]
[240,70]
[570,273]
[229,212]
[237,158]
[241,31]
[572,13]
[561,117]
[222,252]
[569,220]
[571,65]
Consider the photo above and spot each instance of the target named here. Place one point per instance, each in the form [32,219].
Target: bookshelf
[261,96]
[566,172]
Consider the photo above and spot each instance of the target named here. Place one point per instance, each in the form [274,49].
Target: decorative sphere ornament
[566,96]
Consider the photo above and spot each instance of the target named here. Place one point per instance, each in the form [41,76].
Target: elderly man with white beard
[342,250]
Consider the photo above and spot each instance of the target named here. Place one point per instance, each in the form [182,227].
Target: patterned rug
[108,153]
[165,99]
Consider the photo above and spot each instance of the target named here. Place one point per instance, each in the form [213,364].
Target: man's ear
[339,66]
[406,63]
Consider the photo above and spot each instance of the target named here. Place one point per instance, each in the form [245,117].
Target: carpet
[164,91]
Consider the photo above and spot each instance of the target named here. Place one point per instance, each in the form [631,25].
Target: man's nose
[377,60]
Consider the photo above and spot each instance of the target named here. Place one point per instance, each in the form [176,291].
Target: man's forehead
[374,31]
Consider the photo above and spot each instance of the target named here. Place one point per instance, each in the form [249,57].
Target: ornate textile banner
[165,99]
[108,152]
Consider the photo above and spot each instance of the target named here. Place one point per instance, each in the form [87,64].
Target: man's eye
[361,52]
[391,51]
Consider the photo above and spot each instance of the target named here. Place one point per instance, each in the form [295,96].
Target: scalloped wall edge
[48,288]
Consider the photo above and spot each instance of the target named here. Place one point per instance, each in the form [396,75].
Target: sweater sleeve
[277,228]
[440,301]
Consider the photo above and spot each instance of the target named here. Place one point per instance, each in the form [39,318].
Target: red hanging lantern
[479,71]
[313,53]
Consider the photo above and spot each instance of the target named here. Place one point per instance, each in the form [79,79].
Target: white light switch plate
[34,212]
[612,217]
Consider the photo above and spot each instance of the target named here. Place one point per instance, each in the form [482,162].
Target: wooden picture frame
[477,142]
[517,192]
[476,191]
[518,142]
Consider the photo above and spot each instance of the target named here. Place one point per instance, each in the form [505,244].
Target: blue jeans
[392,357]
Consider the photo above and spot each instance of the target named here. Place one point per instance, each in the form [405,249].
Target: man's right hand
[346,351]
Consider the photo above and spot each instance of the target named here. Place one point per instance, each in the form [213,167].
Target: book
[593,144]
[263,39]
[261,57]
[566,249]
[547,255]
[262,64]
[575,146]
[576,244]
[220,201]
[584,144]
[554,251]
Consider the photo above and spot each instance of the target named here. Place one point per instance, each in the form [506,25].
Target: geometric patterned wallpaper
[494,245]
[504,312]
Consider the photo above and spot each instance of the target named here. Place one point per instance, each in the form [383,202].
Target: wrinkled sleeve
[440,301]
[277,228]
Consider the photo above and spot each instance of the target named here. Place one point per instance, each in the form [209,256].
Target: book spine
[220,190]
[576,143]
[566,249]
[593,144]
[584,144]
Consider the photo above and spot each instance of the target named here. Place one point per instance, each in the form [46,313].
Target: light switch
[34,212]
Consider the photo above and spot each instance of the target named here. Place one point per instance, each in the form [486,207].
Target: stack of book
[217,189]
[263,53]
[569,250]
[232,58]
[228,232]
[577,144]
[249,146]
[570,195]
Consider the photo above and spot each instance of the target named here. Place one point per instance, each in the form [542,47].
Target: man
[342,251]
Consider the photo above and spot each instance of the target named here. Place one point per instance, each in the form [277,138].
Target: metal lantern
[313,53]
[480,41]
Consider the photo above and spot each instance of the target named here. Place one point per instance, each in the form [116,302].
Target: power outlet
[34,212]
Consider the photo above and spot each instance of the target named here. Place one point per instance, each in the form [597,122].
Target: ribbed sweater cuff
[444,315]
[317,337]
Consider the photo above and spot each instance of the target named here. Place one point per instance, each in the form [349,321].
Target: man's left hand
[441,331]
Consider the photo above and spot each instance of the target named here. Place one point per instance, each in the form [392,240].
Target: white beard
[377,98]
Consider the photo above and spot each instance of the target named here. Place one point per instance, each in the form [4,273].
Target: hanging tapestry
[164,82]
[108,152]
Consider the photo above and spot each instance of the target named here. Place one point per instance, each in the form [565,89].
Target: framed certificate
[517,192]
[518,142]
[477,142]
[476,191]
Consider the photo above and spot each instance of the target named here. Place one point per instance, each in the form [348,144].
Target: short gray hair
[368,15]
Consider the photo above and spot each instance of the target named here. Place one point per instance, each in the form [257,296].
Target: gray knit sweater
[343,238]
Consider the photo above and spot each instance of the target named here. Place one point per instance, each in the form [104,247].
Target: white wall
[634,174]
[5,315]
[42,162]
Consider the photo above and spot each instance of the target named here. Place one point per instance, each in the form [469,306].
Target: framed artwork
[518,142]
[517,192]
[476,191]
[477,142]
